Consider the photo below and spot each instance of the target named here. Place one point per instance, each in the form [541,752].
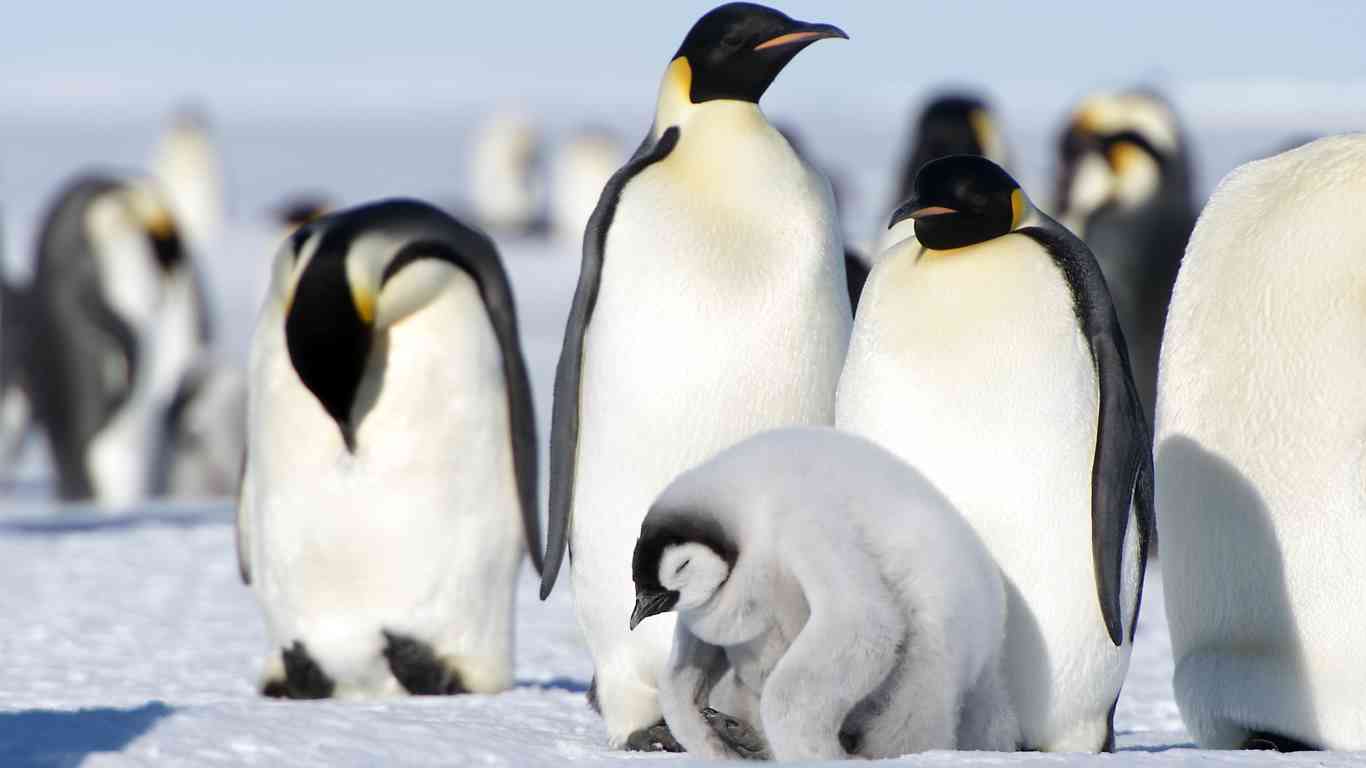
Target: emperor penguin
[506,174]
[849,608]
[987,354]
[1261,464]
[117,319]
[188,168]
[389,493]
[950,123]
[1126,187]
[711,305]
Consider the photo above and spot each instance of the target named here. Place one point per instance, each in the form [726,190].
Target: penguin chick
[854,610]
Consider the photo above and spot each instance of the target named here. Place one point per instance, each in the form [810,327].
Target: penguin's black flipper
[564,420]
[1122,471]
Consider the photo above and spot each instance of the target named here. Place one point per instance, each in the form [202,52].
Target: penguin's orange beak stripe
[790,38]
[932,210]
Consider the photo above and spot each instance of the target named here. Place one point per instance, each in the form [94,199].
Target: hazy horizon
[293,60]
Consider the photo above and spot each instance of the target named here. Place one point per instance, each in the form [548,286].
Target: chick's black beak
[915,208]
[651,603]
[802,33]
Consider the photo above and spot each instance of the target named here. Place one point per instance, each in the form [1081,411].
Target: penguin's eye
[681,566]
[733,40]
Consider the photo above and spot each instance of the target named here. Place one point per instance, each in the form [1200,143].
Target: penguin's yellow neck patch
[985,131]
[365,304]
[1019,208]
[675,95]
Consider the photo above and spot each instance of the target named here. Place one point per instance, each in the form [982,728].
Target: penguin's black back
[77,337]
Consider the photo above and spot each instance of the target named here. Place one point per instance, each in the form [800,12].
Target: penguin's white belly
[971,365]
[722,311]
[418,532]
[1261,494]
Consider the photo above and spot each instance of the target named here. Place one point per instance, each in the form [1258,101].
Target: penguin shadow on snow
[564,684]
[55,737]
[1187,466]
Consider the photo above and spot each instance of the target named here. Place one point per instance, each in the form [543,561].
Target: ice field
[127,636]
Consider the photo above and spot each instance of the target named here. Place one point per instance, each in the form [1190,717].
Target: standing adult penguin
[1260,456]
[711,305]
[117,319]
[951,123]
[986,345]
[1126,187]
[391,453]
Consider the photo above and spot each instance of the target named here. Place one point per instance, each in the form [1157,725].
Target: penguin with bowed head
[711,305]
[116,319]
[850,610]
[1260,456]
[390,487]
[1126,187]
[986,342]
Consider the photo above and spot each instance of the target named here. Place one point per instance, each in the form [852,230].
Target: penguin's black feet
[1266,740]
[656,738]
[739,736]
[275,688]
[418,669]
[304,679]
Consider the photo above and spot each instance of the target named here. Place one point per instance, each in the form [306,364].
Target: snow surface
[127,637]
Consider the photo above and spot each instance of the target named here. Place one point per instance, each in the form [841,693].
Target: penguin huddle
[796,532]
[814,506]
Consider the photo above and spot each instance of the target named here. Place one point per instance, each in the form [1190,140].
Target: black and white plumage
[829,597]
[988,355]
[711,304]
[115,318]
[390,487]
[1260,456]
[1126,187]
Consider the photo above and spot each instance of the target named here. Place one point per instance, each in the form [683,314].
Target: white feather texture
[1260,451]
[971,365]
[722,311]
[416,533]
[860,605]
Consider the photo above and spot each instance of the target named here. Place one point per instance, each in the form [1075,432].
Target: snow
[128,638]
[132,634]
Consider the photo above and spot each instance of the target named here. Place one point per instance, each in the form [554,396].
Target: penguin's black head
[736,50]
[354,274]
[962,200]
[328,330]
[952,125]
[681,559]
[167,246]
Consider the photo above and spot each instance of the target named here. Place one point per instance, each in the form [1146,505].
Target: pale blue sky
[254,57]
